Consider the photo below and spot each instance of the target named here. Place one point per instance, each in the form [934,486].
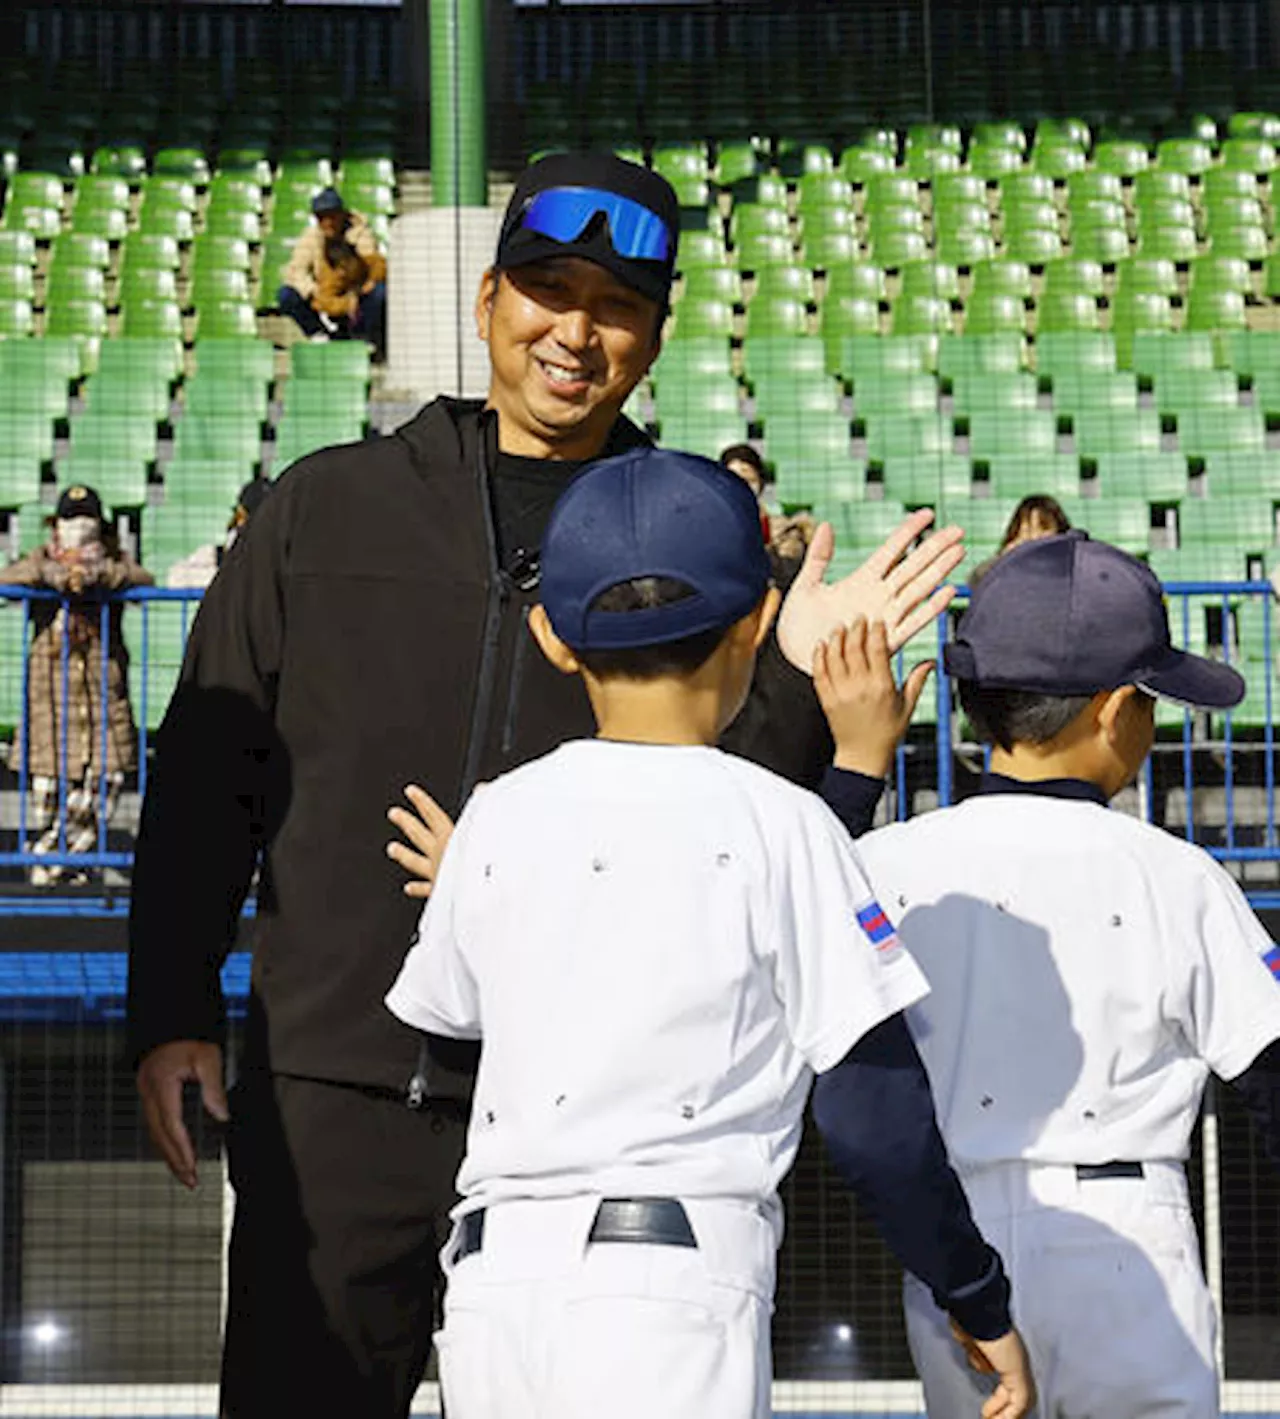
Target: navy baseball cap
[79,501]
[328,199]
[652,512]
[1070,616]
[602,208]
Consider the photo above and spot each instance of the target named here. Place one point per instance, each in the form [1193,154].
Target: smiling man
[370,630]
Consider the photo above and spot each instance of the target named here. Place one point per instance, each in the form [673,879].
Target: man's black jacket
[358,637]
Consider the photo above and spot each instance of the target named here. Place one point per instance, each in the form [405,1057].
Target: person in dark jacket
[369,631]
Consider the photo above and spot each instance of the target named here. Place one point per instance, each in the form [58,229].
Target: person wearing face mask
[66,710]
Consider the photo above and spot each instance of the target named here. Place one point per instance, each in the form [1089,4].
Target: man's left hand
[428,828]
[896,585]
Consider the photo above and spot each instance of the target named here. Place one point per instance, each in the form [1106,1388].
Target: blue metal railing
[1233,749]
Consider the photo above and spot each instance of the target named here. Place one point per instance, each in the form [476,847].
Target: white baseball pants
[1108,1293]
[540,1324]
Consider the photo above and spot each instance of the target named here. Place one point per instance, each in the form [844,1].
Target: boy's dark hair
[1008,717]
[745,453]
[649,662]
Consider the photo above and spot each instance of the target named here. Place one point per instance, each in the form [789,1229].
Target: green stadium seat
[932,279]
[1066,311]
[219,437]
[33,189]
[210,284]
[122,394]
[187,163]
[1249,155]
[980,354]
[681,399]
[1200,562]
[697,319]
[984,393]
[1177,390]
[98,190]
[1095,185]
[17,283]
[818,189]
[991,313]
[1246,243]
[1124,158]
[993,163]
[1026,186]
[27,432]
[1215,309]
[915,394]
[1029,432]
[19,477]
[787,283]
[966,247]
[75,317]
[161,357]
[146,284]
[1165,212]
[921,315]
[1186,156]
[1087,212]
[841,316]
[1058,160]
[928,481]
[856,279]
[1157,353]
[173,222]
[1023,215]
[1176,244]
[830,250]
[315,398]
[1249,473]
[152,319]
[234,223]
[872,354]
[73,283]
[1124,523]
[118,475]
[108,222]
[1248,524]
[1055,475]
[1148,477]
[1075,275]
[125,160]
[1148,274]
[894,248]
[1105,244]
[762,249]
[756,219]
[170,192]
[679,360]
[229,192]
[1216,272]
[868,523]
[1002,277]
[1101,431]
[220,319]
[1075,390]
[1203,430]
[984,521]
[43,223]
[208,483]
[1034,246]
[18,248]
[720,284]
[898,435]
[773,356]
[809,441]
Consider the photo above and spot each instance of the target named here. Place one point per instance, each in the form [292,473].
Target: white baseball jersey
[659,946]
[1086,970]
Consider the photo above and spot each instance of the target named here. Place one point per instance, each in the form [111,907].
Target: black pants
[342,1202]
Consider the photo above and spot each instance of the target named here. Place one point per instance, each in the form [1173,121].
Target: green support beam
[459,174]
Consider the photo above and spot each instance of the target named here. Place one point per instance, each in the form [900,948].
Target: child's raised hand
[428,828]
[867,711]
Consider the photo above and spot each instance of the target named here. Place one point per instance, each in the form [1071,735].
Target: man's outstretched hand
[899,586]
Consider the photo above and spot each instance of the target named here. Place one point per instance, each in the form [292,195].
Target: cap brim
[1194,680]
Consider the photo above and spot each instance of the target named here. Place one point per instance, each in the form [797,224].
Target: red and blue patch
[1272,961]
[877,927]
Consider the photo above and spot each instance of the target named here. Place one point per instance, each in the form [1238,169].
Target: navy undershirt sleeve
[1259,1088]
[852,797]
[875,1112]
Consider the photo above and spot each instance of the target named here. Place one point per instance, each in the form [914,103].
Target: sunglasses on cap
[564,213]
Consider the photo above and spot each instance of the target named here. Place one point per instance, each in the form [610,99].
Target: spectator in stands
[1037,515]
[336,281]
[371,630]
[198,568]
[68,664]
[787,536]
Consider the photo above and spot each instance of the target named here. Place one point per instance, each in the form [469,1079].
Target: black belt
[1099,1172]
[659,1221]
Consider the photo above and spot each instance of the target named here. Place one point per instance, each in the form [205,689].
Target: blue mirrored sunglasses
[564,213]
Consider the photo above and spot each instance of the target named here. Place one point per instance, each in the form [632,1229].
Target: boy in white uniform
[660,945]
[1087,972]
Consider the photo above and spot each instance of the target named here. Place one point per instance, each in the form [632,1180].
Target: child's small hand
[866,710]
[429,829]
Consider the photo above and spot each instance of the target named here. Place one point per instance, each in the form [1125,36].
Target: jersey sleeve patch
[877,927]
[1271,959]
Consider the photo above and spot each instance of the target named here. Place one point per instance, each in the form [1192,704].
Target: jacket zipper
[517,679]
[499,594]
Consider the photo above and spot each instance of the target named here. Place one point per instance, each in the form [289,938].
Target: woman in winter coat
[83,562]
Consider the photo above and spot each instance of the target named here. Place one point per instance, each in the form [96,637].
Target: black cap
[251,495]
[328,200]
[519,246]
[1070,616]
[79,501]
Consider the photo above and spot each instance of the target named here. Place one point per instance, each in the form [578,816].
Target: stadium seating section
[916,314]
